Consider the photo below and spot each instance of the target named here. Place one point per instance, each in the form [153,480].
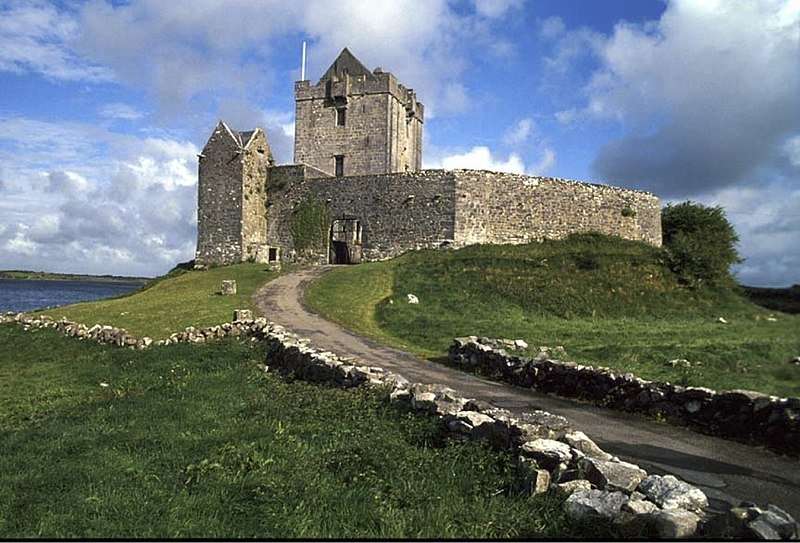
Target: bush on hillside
[699,242]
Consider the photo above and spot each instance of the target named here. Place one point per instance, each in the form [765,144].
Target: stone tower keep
[357,122]
[231,194]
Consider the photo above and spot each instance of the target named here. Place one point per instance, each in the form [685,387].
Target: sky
[105,105]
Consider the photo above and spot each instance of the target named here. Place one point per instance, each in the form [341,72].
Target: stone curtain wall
[553,456]
[435,208]
[739,414]
[219,201]
[494,207]
[398,212]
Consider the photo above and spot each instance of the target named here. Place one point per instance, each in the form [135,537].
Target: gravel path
[727,471]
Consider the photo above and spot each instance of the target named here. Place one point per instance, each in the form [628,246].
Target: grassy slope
[606,301]
[195,441]
[171,304]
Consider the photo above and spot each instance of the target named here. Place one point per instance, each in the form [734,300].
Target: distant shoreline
[49,276]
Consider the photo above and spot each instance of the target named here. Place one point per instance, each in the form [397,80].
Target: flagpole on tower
[303,64]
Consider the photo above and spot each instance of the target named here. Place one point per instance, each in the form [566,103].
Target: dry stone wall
[493,207]
[738,414]
[553,456]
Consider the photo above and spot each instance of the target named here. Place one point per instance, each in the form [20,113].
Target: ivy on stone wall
[310,222]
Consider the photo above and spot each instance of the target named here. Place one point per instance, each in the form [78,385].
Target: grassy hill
[171,303]
[607,301]
[195,441]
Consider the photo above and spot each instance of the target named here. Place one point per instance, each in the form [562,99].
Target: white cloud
[551,27]
[495,8]
[766,219]
[792,150]
[212,50]
[105,218]
[119,110]
[454,100]
[32,39]
[569,46]
[568,116]
[67,182]
[706,95]
[480,158]
[520,132]
[545,163]
[20,244]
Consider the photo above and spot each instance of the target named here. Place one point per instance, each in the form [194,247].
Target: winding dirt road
[727,471]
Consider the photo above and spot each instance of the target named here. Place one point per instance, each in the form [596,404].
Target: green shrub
[699,242]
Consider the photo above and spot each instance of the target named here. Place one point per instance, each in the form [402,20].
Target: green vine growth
[310,223]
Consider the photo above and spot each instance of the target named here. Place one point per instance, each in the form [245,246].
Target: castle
[356,190]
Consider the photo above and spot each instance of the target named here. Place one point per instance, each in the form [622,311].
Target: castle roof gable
[346,63]
[242,139]
[246,136]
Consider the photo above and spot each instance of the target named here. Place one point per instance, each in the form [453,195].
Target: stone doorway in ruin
[345,246]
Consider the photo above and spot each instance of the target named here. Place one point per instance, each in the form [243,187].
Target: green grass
[196,441]
[171,303]
[607,301]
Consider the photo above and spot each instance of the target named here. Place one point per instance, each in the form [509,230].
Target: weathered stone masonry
[435,208]
[368,118]
[231,218]
[380,200]
[397,212]
[494,207]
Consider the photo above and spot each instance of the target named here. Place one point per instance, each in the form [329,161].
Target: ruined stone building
[357,190]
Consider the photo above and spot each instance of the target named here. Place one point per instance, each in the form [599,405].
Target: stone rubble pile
[738,414]
[553,456]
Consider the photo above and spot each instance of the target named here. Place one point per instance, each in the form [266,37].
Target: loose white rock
[589,504]
[669,492]
[675,524]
